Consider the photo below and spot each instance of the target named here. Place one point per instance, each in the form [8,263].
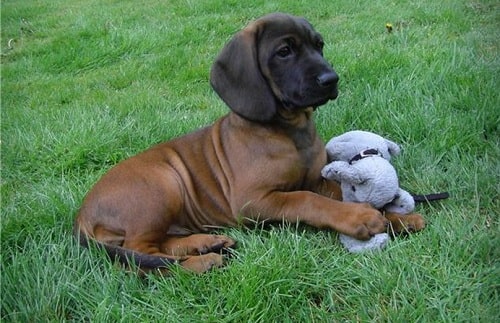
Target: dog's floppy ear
[237,78]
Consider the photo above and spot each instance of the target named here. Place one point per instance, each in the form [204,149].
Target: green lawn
[87,83]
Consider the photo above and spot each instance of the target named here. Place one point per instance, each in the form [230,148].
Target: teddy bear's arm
[342,172]
[402,204]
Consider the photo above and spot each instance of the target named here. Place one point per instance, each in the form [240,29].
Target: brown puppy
[262,161]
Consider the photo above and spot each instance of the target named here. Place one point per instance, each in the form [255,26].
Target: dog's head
[276,62]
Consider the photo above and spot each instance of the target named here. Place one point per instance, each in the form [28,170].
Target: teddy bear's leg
[405,223]
[377,242]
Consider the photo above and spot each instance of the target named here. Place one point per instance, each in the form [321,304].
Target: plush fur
[360,162]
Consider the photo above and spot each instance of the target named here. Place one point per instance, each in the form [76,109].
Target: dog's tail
[126,256]
[430,197]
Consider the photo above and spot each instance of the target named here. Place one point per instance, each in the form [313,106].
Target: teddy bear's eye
[353,188]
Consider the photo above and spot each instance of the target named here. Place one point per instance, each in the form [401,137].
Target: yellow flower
[388,26]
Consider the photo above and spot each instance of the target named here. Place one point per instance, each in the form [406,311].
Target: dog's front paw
[365,222]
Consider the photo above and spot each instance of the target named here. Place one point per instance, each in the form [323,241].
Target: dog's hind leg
[196,244]
[201,257]
[199,252]
[202,263]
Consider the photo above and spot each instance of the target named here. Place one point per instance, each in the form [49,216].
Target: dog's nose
[327,79]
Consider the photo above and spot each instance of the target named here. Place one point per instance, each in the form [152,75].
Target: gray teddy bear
[360,161]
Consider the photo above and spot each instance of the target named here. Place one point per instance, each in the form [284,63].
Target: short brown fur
[260,162]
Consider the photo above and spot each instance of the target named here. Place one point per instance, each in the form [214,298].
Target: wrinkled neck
[295,119]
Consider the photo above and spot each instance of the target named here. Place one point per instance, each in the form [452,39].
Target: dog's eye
[284,51]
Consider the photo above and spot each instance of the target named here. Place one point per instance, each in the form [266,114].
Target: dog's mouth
[311,98]
[334,93]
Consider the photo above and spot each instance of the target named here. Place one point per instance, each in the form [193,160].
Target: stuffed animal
[367,176]
[373,180]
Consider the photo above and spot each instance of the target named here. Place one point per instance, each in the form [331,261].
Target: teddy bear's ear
[341,171]
[393,147]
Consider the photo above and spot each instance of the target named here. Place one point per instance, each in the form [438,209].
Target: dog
[260,162]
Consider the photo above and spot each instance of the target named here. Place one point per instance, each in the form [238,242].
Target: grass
[86,84]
